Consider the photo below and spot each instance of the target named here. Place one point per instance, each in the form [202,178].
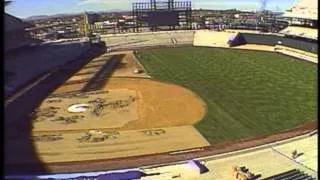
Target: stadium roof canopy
[303,9]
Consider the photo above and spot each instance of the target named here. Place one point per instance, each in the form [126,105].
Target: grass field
[247,93]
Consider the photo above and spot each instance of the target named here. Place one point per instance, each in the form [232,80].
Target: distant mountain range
[39,17]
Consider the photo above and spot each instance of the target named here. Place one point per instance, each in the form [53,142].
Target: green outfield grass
[247,93]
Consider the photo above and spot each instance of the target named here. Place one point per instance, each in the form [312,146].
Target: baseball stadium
[171,104]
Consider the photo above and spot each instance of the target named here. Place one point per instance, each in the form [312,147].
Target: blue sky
[26,8]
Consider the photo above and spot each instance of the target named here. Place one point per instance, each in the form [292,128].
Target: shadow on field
[100,79]
[21,156]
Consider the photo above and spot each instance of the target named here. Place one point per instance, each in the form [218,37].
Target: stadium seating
[37,61]
[306,9]
[212,38]
[301,32]
[15,36]
[293,174]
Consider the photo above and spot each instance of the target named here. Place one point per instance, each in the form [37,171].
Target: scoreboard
[163,18]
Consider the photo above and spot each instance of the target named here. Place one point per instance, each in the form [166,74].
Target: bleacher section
[303,9]
[290,175]
[301,32]
[212,38]
[15,36]
[165,38]
[37,61]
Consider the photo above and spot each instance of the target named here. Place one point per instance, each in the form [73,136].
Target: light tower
[171,4]
[153,4]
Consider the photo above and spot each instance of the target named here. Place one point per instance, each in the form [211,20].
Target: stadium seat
[301,32]
[293,174]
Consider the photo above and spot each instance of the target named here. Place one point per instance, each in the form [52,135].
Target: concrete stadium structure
[302,49]
[267,160]
[138,40]
[278,152]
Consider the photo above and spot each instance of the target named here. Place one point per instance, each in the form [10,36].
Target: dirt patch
[70,147]
[80,77]
[161,104]
[106,109]
[95,63]
[88,70]
[158,104]
[255,47]
[133,162]
[70,87]
[127,67]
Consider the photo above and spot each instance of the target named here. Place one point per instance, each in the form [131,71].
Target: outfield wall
[272,40]
[213,39]
[134,40]
[187,37]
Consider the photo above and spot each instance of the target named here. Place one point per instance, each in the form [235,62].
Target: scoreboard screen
[163,18]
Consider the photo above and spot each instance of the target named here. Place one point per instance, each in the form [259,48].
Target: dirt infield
[159,104]
[127,66]
[70,87]
[80,77]
[91,70]
[145,160]
[118,144]
[119,108]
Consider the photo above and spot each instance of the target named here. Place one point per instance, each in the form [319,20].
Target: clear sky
[26,8]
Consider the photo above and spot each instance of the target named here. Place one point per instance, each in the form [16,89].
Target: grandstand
[291,174]
[303,19]
[304,32]
[15,36]
[29,66]
[303,9]
[303,22]
[298,40]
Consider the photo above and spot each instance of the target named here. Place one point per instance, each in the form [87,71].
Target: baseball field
[187,97]
[247,93]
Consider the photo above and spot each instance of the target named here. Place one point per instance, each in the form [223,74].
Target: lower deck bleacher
[293,174]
